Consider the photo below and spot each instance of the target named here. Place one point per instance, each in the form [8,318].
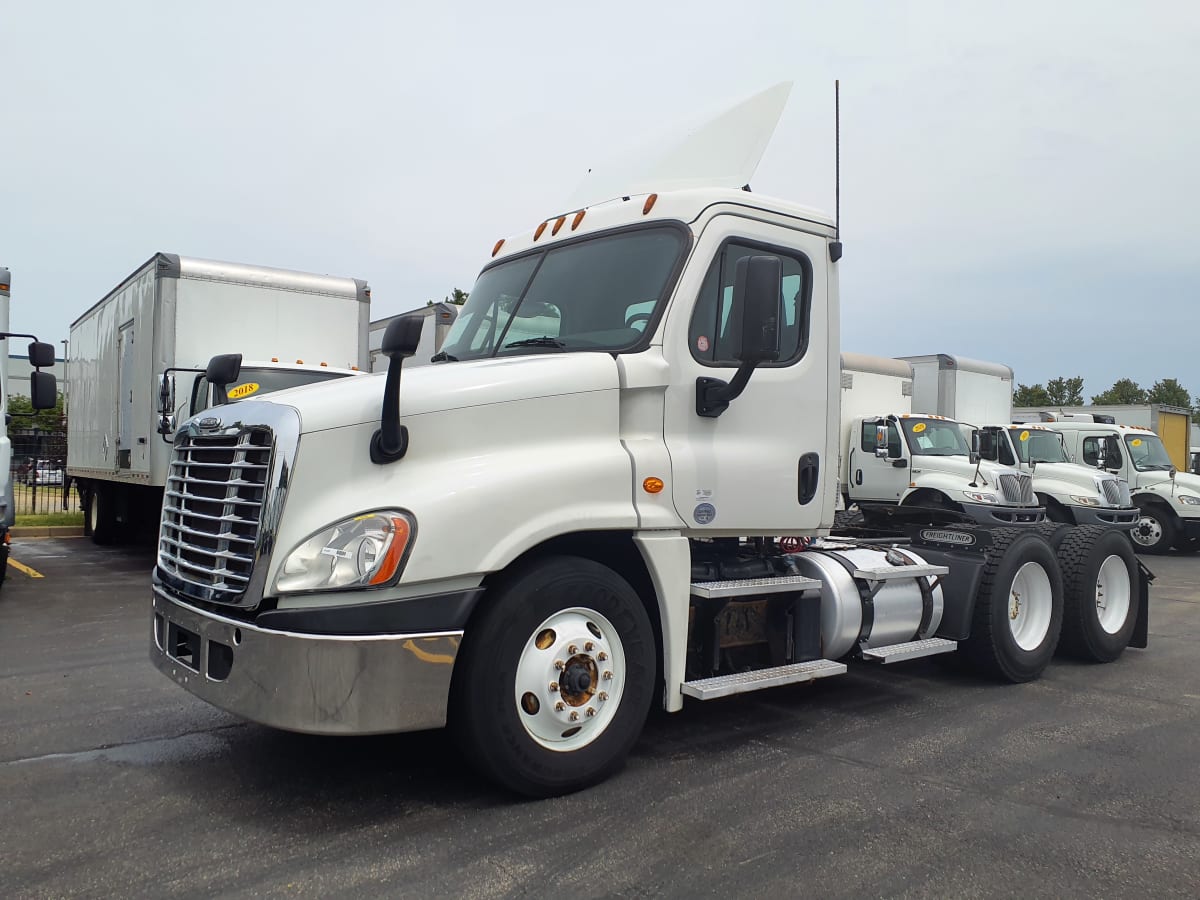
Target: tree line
[1125,391]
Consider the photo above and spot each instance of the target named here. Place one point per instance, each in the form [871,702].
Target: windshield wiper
[537,342]
[443,356]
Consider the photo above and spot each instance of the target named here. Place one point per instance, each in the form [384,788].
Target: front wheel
[555,678]
[1019,607]
[1154,531]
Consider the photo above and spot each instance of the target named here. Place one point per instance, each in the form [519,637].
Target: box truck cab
[1168,501]
[1079,495]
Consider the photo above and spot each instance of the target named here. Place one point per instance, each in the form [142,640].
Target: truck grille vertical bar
[1017,488]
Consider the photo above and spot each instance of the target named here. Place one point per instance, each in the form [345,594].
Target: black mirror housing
[41,355]
[756,307]
[43,389]
[402,337]
[224,368]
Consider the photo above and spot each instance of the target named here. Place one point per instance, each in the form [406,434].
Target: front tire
[555,678]
[1154,531]
[1101,593]
[1019,608]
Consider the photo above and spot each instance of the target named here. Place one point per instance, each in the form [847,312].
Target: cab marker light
[537,234]
[499,244]
[578,218]
[649,204]
[557,225]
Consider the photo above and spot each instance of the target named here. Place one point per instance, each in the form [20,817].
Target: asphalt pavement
[915,780]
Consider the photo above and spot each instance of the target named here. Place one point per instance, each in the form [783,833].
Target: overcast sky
[1019,179]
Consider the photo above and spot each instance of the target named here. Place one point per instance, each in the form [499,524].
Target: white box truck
[539,538]
[175,313]
[43,393]
[438,317]
[968,390]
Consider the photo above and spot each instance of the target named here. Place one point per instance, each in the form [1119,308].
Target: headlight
[1085,501]
[367,550]
[980,497]
[1189,500]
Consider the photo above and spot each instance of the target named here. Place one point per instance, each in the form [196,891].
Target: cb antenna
[835,248]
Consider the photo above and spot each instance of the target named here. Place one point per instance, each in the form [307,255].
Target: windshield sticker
[704,513]
[1024,435]
[1136,442]
[243,390]
[918,428]
[702,344]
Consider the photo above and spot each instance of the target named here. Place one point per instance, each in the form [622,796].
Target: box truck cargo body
[176,312]
[968,390]
[438,319]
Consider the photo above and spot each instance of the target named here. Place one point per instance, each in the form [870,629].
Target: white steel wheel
[570,678]
[1113,594]
[1030,606]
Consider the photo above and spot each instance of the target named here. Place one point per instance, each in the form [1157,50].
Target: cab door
[768,463]
[882,479]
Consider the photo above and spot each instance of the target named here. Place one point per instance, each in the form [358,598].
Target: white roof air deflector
[721,152]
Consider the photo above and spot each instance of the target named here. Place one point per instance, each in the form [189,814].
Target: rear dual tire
[1102,592]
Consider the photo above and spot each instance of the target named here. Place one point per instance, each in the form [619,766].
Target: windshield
[1038,446]
[1147,453]
[253,382]
[596,294]
[935,437]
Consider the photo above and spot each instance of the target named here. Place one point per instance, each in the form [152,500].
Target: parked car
[44,472]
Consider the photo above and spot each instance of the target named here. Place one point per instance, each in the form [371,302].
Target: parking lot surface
[915,780]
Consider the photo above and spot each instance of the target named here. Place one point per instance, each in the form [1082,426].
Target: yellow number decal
[1024,435]
[243,390]
[918,428]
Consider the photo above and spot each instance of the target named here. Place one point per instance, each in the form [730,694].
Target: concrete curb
[41,531]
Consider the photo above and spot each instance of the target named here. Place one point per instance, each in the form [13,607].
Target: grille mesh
[212,509]
[1017,488]
[1116,492]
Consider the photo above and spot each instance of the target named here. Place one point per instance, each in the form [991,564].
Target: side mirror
[400,341]
[166,395]
[881,440]
[985,444]
[222,371]
[43,388]
[166,424]
[756,306]
[41,355]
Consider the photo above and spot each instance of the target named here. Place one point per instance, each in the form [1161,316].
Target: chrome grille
[212,508]
[1017,488]
[1116,491]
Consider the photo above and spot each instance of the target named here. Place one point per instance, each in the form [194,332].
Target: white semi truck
[577,513]
[927,460]
[43,391]
[979,392]
[171,315]
[1167,500]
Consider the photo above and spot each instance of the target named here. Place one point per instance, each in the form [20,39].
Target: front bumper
[1191,527]
[992,514]
[313,683]
[1109,517]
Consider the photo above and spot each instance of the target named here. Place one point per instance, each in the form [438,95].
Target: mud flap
[1141,629]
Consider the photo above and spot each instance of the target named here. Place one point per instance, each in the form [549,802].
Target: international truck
[1171,423]
[168,318]
[927,460]
[43,391]
[1167,499]
[979,392]
[616,490]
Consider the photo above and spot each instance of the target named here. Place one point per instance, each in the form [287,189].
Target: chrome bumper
[318,684]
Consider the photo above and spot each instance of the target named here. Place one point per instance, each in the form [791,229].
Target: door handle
[808,477]
[858,477]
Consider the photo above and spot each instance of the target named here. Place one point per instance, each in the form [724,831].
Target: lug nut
[607,675]
[602,696]
[559,706]
[574,716]
[553,686]
[572,649]
[589,646]
[559,664]
[602,656]
[590,711]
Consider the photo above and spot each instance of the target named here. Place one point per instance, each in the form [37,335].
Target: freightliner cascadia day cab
[43,388]
[928,460]
[170,317]
[979,392]
[1167,500]
[578,512]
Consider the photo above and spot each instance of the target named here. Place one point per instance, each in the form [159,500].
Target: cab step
[909,650]
[744,682]
[743,587]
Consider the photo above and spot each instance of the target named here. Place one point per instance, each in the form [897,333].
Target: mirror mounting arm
[713,395]
[389,443]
